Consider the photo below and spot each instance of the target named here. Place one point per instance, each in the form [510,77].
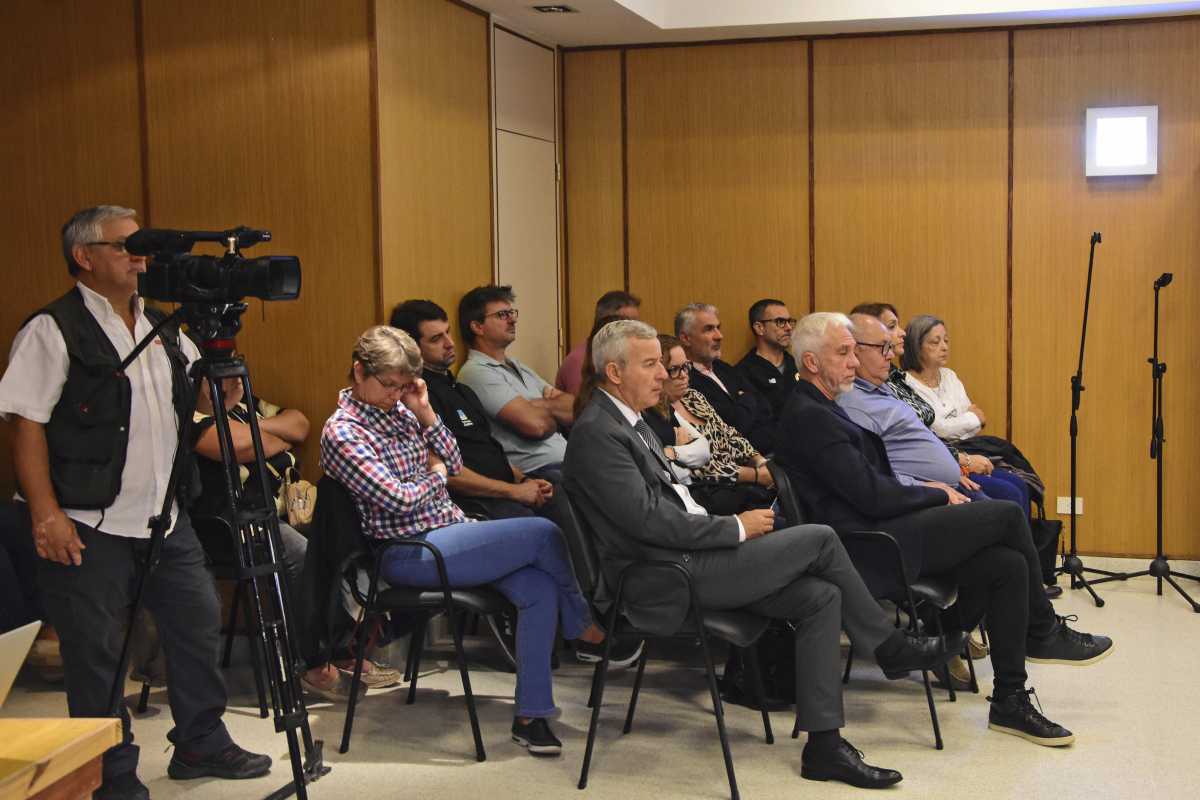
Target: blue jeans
[525,560]
[1005,485]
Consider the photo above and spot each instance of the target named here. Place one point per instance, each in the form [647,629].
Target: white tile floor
[1136,716]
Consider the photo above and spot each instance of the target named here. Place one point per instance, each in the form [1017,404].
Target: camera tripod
[254,524]
[1160,567]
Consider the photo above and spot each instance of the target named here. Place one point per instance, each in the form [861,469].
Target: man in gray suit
[618,478]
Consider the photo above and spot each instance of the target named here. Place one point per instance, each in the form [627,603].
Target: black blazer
[841,473]
[743,407]
[625,496]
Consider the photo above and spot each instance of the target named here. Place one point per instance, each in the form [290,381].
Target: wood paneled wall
[379,183]
[69,139]
[911,168]
[593,175]
[914,197]
[435,171]
[718,180]
[1149,226]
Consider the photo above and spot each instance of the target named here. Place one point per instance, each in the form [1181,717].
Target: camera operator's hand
[757,522]
[415,396]
[57,540]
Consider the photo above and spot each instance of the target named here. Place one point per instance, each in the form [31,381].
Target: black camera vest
[88,431]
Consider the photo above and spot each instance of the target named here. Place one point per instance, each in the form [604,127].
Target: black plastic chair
[741,629]
[426,602]
[937,592]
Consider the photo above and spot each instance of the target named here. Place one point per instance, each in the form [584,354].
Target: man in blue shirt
[916,454]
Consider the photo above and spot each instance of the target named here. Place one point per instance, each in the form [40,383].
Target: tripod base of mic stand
[1072,565]
[312,769]
[1160,569]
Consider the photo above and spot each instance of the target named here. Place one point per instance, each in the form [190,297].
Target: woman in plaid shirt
[388,447]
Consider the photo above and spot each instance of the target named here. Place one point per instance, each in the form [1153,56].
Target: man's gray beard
[844,388]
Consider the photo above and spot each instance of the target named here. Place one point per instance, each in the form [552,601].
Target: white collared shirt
[689,503]
[33,383]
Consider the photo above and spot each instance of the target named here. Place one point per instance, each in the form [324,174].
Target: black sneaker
[624,653]
[1067,646]
[537,737]
[232,763]
[1016,715]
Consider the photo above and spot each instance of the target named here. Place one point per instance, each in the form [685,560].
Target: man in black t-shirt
[769,367]
[488,482]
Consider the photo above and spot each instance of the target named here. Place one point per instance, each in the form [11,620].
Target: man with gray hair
[842,476]
[92,457]
[698,326]
[619,480]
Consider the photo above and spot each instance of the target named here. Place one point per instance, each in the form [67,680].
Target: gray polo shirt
[497,384]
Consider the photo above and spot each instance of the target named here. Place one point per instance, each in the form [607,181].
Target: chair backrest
[786,494]
[581,544]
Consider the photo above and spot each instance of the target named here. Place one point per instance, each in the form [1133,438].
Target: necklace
[937,382]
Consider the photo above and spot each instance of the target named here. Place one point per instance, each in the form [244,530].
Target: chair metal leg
[796,728]
[849,663]
[971,668]
[360,648]
[143,698]
[751,668]
[937,618]
[231,626]
[637,687]
[720,712]
[256,656]
[415,648]
[456,625]
[596,700]
[595,682]
[937,731]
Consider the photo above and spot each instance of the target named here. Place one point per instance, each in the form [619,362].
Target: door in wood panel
[524,86]
[527,242]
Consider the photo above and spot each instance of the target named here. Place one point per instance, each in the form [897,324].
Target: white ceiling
[601,22]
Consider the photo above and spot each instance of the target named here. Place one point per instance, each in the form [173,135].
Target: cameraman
[93,451]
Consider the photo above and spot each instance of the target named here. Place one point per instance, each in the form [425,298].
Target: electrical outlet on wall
[1064,506]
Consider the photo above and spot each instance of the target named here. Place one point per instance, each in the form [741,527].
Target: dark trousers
[986,547]
[89,607]
[804,575]
[19,604]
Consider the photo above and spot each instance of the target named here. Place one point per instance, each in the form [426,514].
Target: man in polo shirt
[698,326]
[769,367]
[529,414]
[487,481]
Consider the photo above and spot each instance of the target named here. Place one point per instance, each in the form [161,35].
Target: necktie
[654,445]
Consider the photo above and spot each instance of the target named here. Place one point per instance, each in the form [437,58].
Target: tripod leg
[1195,606]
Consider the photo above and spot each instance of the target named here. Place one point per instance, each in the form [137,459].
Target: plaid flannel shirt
[382,458]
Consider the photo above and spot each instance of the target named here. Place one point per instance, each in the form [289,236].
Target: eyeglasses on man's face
[681,369]
[390,386]
[780,322]
[885,349]
[506,314]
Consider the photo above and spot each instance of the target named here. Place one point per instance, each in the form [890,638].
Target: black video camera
[175,275]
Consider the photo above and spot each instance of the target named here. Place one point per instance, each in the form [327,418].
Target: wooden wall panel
[435,171]
[267,122]
[593,183]
[911,167]
[718,180]
[69,138]
[1149,227]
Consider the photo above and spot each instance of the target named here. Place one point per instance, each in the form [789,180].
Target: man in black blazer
[619,480]
[843,478]
[726,389]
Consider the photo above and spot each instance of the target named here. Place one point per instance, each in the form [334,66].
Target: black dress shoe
[845,764]
[125,786]
[903,652]
[1053,592]
[232,763]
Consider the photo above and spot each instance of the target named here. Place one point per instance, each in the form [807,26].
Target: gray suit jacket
[627,501]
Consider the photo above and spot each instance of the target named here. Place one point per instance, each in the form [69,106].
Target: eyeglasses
[388,385]
[682,369]
[781,322]
[506,314]
[118,246]
[885,349]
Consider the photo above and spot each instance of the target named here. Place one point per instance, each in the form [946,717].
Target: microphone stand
[1160,567]
[1071,564]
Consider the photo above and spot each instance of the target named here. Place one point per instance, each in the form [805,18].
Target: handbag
[299,499]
